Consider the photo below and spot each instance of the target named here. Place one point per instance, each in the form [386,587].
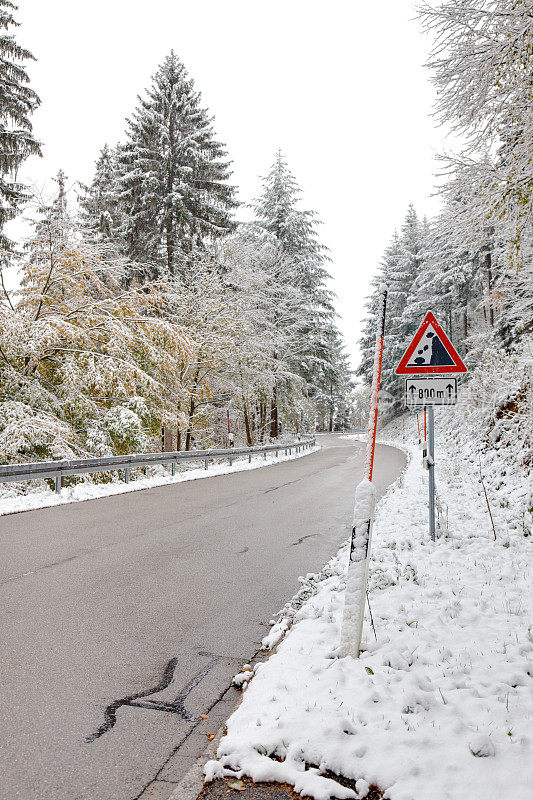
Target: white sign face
[430,391]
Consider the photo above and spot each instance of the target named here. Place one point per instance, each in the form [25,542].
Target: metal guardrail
[56,470]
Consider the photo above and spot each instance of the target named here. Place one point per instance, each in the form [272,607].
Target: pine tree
[173,188]
[17,101]
[336,385]
[390,270]
[99,211]
[278,211]
[402,265]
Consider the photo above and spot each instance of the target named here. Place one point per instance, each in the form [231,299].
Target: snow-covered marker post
[365,500]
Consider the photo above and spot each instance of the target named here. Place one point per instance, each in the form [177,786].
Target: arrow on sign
[450,388]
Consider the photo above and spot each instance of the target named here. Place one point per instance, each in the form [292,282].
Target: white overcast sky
[340,86]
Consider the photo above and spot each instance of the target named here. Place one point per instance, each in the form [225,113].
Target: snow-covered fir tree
[278,211]
[173,187]
[332,401]
[99,207]
[400,269]
[401,277]
[17,102]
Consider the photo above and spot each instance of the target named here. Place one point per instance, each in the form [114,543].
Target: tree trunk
[262,419]
[191,411]
[170,244]
[189,426]
[169,225]
[331,409]
[249,434]
[274,414]
[488,263]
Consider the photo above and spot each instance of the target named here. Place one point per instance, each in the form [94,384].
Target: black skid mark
[110,713]
[176,706]
[303,538]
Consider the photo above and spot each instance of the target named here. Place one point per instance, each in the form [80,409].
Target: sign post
[431,471]
[430,352]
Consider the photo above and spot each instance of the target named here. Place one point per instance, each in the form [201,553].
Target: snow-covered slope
[440,706]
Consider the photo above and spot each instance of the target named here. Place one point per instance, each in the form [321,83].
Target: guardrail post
[127,475]
[264,455]
[58,484]
[206,463]
[277,451]
[249,458]
[230,460]
[173,468]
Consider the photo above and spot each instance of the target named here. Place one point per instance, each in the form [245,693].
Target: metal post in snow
[376,380]
[431,462]
[357,573]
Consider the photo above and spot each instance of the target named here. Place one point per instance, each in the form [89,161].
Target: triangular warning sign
[430,352]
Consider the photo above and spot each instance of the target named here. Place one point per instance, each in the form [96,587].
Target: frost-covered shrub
[125,430]
[87,367]
[28,434]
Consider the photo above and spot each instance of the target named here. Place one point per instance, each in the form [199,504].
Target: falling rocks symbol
[438,356]
[430,351]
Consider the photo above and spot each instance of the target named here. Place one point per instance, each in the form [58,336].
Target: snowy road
[158,594]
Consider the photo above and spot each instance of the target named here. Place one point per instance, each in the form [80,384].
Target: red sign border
[457,367]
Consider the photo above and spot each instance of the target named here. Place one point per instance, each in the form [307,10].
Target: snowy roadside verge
[44,498]
[441,705]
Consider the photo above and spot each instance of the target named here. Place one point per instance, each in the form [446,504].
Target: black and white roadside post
[430,352]
[357,572]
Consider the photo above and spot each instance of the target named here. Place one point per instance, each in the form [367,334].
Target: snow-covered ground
[12,501]
[440,706]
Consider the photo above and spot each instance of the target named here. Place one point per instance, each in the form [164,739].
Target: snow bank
[12,502]
[441,706]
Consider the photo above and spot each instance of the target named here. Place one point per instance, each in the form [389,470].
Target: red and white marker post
[365,500]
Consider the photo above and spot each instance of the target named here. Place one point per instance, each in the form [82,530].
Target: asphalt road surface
[123,619]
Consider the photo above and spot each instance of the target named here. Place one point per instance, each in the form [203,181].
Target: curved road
[124,618]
